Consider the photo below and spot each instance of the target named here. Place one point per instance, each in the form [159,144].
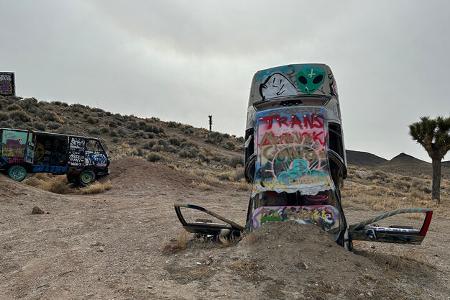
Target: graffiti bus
[82,159]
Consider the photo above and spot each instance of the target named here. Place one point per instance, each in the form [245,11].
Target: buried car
[82,159]
[295,160]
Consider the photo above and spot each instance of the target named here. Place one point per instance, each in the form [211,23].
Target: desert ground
[126,243]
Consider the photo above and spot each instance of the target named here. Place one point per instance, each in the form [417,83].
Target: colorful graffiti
[293,80]
[76,151]
[49,169]
[277,85]
[326,216]
[14,145]
[96,159]
[310,79]
[7,86]
[291,152]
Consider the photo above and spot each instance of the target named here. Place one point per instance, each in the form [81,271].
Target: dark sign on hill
[7,84]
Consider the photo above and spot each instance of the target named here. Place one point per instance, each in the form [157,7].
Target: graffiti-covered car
[295,160]
[82,159]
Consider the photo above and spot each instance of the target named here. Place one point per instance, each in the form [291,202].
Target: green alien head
[310,78]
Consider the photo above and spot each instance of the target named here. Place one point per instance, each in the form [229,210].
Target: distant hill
[363,158]
[409,165]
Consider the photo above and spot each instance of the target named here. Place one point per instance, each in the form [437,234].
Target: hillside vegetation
[155,140]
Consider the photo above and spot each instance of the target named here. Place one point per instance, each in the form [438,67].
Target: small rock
[37,211]
[100,249]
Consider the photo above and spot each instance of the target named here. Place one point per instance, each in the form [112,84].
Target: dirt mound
[133,172]
[303,260]
[288,261]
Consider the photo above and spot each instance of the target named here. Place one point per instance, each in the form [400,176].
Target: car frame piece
[295,160]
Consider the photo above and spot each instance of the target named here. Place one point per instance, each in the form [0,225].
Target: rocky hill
[126,135]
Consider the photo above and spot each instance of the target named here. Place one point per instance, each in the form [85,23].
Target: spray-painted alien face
[310,79]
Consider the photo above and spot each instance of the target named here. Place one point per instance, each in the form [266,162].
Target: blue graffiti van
[82,159]
[295,161]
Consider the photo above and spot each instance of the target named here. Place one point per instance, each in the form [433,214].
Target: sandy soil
[110,246]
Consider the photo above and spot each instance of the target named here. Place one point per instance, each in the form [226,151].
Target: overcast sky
[184,60]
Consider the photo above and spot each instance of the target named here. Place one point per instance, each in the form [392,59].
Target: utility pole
[210,122]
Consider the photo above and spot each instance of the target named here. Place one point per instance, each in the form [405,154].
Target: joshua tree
[434,136]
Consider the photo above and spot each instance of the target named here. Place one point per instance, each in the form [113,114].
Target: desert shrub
[229,145]
[4,116]
[238,174]
[94,131]
[203,157]
[188,152]
[225,176]
[214,138]
[142,125]
[115,140]
[112,124]
[174,141]
[13,107]
[149,145]
[188,130]
[104,130]
[19,115]
[39,126]
[240,140]
[154,157]
[53,125]
[154,129]
[150,135]
[138,152]
[113,133]
[172,124]
[4,124]
[132,125]
[157,148]
[171,149]
[58,103]
[28,102]
[236,161]
[96,188]
[54,184]
[50,116]
[122,132]
[97,110]
[163,143]
[139,134]
[91,120]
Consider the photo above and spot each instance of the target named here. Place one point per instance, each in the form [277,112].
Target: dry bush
[176,245]
[58,184]
[50,183]
[201,185]
[243,186]
[96,188]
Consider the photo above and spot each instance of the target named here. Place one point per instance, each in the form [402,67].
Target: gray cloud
[184,60]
